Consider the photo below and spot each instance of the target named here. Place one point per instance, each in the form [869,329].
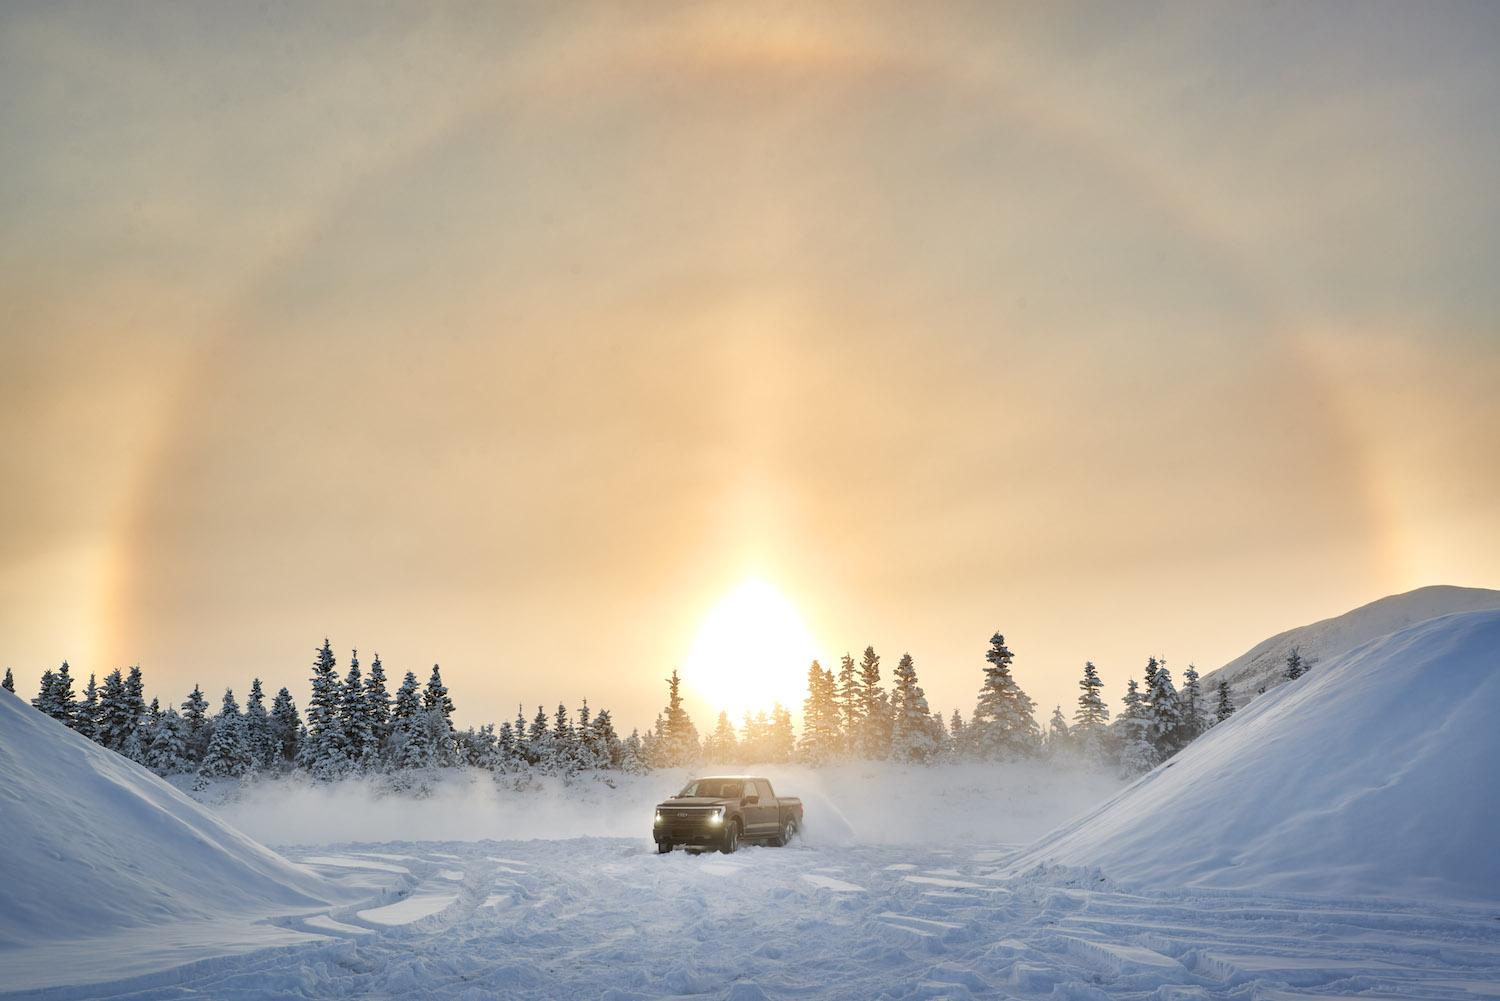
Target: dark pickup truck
[722,811]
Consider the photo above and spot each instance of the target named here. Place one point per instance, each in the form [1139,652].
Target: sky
[514,336]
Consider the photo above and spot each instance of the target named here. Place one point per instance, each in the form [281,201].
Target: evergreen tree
[781,741]
[1225,707]
[1003,725]
[1059,738]
[1193,721]
[55,697]
[821,734]
[229,753]
[633,754]
[354,715]
[1132,732]
[257,728]
[323,752]
[912,736]
[1164,710]
[1092,712]
[86,719]
[166,746]
[722,746]
[677,743]
[958,735]
[506,757]
[585,747]
[286,726]
[606,740]
[117,716]
[874,710]
[564,757]
[523,745]
[43,700]
[435,697]
[194,718]
[378,701]
[135,698]
[539,740]
[1296,667]
[9,684]
[850,704]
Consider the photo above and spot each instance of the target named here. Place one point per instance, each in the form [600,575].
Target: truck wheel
[788,828]
[662,847]
[731,838]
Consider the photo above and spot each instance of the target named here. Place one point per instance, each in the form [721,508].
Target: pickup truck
[721,811]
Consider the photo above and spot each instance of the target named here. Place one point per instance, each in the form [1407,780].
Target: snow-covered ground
[601,918]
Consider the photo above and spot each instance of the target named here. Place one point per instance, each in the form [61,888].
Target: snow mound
[1263,666]
[1371,776]
[91,843]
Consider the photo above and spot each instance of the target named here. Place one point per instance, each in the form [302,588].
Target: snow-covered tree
[286,726]
[539,740]
[781,740]
[435,696]
[507,759]
[1059,739]
[755,734]
[523,746]
[354,715]
[1225,708]
[1296,667]
[677,740]
[723,744]
[1132,733]
[135,698]
[874,710]
[378,701]
[117,719]
[822,739]
[166,745]
[55,697]
[912,734]
[1191,697]
[323,752]
[606,740]
[632,754]
[9,684]
[1003,725]
[850,704]
[958,735]
[564,758]
[1164,710]
[195,720]
[1092,712]
[257,728]
[229,753]
[86,719]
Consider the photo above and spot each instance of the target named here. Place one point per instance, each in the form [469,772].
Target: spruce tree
[563,759]
[851,704]
[633,754]
[506,757]
[135,698]
[723,745]
[1225,707]
[166,746]
[324,753]
[584,739]
[354,715]
[539,740]
[1003,725]
[1164,709]
[257,726]
[523,750]
[117,719]
[43,700]
[378,701]
[1296,667]
[86,719]
[194,718]
[958,735]
[1132,733]
[1092,713]
[874,710]
[1193,722]
[1059,739]
[781,740]
[606,740]
[9,684]
[821,735]
[678,742]
[229,754]
[286,726]
[435,696]
[55,697]
[912,737]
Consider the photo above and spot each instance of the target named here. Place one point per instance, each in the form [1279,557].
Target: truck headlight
[717,817]
[658,816]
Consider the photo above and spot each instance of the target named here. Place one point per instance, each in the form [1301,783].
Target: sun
[751,652]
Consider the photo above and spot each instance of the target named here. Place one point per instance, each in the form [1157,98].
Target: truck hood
[694,801]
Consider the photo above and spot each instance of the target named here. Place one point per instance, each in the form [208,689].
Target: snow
[1371,776]
[95,846]
[1263,664]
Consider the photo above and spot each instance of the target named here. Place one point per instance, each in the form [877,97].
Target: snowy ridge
[1369,777]
[95,844]
[1262,666]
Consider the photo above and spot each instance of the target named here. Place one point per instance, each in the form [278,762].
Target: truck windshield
[713,788]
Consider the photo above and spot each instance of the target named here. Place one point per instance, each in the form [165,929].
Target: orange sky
[514,338]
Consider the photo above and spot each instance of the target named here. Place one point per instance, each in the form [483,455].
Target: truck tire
[788,829]
[731,838]
[662,847]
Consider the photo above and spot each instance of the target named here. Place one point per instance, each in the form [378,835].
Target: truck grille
[688,824]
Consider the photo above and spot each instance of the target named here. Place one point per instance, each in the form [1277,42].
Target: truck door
[768,816]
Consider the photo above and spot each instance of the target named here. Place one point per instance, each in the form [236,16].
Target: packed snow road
[607,918]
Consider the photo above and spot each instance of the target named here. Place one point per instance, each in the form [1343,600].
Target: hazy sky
[513,336]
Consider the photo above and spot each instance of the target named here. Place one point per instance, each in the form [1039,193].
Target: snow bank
[856,803]
[91,843]
[1371,776]
[1263,665]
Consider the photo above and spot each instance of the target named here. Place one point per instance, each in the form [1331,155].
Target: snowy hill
[1371,776]
[92,844]
[1263,665]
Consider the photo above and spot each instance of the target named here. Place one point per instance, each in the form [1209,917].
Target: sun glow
[751,651]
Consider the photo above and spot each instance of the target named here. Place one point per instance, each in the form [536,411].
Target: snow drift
[1262,666]
[91,843]
[1371,776]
